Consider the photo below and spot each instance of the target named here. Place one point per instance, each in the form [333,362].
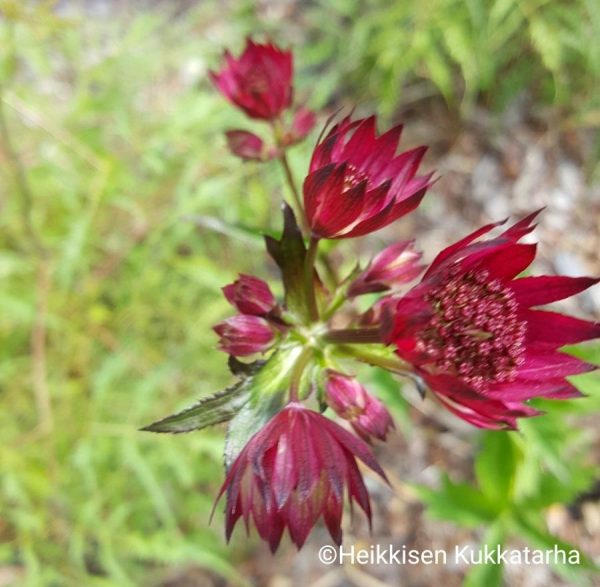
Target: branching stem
[353,335]
[297,371]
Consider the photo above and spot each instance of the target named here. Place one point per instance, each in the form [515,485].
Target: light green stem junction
[298,369]
[392,364]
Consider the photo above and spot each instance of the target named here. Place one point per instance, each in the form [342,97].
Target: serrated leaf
[214,409]
[260,382]
[458,502]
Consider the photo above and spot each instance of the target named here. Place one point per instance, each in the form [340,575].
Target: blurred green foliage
[518,476]
[122,215]
[463,49]
[104,261]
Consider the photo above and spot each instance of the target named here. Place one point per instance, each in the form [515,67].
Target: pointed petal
[542,363]
[558,330]
[537,291]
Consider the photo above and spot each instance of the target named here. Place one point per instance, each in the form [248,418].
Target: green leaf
[259,382]
[214,409]
[289,253]
[495,466]
[268,389]
[246,423]
[531,526]
[458,502]
[488,575]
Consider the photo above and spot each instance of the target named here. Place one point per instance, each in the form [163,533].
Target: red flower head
[292,472]
[244,335]
[351,401]
[250,295]
[395,265]
[259,81]
[357,184]
[471,332]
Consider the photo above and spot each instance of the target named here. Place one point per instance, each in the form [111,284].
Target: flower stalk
[298,370]
[353,336]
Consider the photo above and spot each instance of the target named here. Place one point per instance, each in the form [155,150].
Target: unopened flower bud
[250,295]
[245,145]
[395,265]
[244,335]
[351,401]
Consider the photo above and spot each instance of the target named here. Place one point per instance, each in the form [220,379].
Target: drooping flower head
[294,471]
[471,331]
[259,82]
[357,183]
[351,401]
[395,265]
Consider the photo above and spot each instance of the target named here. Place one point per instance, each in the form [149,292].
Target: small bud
[351,401]
[303,122]
[395,265]
[244,335]
[250,295]
[245,145]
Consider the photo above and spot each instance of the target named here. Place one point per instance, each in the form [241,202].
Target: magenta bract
[351,401]
[244,335]
[471,331]
[395,265]
[245,145]
[250,295]
[259,82]
[294,471]
[357,184]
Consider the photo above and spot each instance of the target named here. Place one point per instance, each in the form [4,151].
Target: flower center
[256,82]
[353,177]
[475,332]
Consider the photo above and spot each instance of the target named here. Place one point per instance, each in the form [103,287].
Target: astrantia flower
[357,184]
[245,335]
[471,331]
[259,81]
[351,401]
[250,295]
[294,471]
[395,265]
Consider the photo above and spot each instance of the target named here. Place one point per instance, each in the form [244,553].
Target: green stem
[295,193]
[389,363]
[338,300]
[297,371]
[276,127]
[309,278]
[353,335]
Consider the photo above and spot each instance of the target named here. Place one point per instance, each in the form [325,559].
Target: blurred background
[122,215]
